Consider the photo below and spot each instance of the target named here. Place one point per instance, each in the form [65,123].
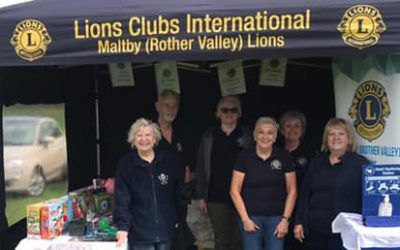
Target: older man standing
[167,107]
[219,147]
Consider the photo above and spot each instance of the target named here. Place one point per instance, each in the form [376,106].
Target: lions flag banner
[59,32]
[367,93]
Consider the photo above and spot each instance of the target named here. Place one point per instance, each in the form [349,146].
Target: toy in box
[52,218]
[33,220]
[82,202]
[103,203]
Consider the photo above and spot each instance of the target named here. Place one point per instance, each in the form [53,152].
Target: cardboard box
[52,218]
[33,220]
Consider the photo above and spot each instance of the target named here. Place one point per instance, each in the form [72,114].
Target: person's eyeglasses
[230,110]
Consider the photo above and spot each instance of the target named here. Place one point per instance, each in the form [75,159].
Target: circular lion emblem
[30,39]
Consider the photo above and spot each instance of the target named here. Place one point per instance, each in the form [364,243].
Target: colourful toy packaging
[103,203]
[52,218]
[33,220]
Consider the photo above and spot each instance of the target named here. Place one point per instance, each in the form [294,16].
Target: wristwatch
[286,218]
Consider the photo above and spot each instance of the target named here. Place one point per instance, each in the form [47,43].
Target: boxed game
[33,220]
[52,218]
[103,203]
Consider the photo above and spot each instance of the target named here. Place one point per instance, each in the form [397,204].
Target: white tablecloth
[356,236]
[66,243]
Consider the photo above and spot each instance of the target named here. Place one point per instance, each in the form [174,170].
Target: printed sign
[167,76]
[272,72]
[121,74]
[381,195]
[231,78]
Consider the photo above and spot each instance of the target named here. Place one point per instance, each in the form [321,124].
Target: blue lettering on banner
[388,151]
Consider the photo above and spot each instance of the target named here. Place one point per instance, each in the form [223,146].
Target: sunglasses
[230,110]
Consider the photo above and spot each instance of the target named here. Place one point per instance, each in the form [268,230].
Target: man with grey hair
[167,107]
[218,149]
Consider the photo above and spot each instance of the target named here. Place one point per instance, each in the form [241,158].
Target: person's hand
[299,233]
[121,237]
[282,229]
[202,206]
[250,226]
[109,185]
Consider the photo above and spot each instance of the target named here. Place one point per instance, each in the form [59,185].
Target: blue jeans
[264,238]
[166,245]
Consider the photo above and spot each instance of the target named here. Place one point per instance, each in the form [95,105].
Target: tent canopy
[54,32]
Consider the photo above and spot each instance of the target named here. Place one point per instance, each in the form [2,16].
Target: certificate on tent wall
[272,72]
[121,75]
[231,78]
[167,76]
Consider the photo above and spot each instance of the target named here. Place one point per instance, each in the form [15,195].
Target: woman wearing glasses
[216,156]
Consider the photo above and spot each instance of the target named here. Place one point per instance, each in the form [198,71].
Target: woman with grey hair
[331,185]
[219,147]
[263,189]
[293,128]
[146,191]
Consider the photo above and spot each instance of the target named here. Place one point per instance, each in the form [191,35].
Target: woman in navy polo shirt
[292,126]
[331,185]
[263,189]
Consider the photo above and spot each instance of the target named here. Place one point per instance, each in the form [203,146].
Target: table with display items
[356,236]
[67,242]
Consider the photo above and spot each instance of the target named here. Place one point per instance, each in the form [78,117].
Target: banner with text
[367,94]
[103,31]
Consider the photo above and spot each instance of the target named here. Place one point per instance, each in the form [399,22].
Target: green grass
[16,204]
[55,111]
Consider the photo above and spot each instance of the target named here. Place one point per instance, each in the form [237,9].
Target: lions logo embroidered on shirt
[301,161]
[240,142]
[163,179]
[370,107]
[276,164]
[179,147]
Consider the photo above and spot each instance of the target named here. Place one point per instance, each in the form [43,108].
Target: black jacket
[147,197]
[346,195]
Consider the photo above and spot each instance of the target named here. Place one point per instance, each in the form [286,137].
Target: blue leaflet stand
[380,180]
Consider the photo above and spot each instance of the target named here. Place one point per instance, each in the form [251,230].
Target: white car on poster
[34,153]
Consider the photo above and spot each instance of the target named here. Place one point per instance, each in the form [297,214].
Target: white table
[356,236]
[66,243]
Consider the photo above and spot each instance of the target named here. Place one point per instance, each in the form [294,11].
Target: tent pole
[3,218]
[96,99]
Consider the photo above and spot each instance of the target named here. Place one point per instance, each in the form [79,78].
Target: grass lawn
[16,204]
[55,111]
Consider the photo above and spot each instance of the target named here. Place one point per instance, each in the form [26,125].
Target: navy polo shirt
[264,185]
[301,158]
[175,147]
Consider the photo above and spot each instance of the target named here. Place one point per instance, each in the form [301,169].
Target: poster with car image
[35,156]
